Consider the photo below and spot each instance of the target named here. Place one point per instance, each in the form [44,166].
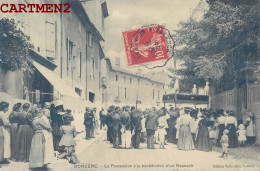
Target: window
[125,93]
[78,91]
[153,93]
[90,39]
[99,78]
[50,39]
[124,79]
[118,92]
[116,78]
[130,80]
[91,97]
[93,68]
[79,64]
[158,94]
[138,81]
[69,49]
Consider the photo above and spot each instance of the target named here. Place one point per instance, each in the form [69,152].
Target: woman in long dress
[231,125]
[203,140]
[14,119]
[41,153]
[5,150]
[24,136]
[185,141]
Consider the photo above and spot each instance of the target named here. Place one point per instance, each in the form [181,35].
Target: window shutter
[50,39]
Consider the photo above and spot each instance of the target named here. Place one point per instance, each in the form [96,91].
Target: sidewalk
[59,164]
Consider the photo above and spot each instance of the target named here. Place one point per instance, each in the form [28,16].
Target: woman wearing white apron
[49,152]
[41,153]
[250,128]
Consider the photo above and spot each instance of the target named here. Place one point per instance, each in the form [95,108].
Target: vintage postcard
[105,85]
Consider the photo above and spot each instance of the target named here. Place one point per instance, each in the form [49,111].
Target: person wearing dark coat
[56,118]
[102,118]
[203,142]
[24,135]
[172,129]
[151,125]
[88,122]
[116,127]
[137,128]
[14,120]
[109,123]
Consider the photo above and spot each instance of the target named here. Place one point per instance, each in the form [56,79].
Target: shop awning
[59,84]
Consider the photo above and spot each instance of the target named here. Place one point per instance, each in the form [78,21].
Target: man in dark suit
[88,122]
[137,128]
[109,123]
[116,125]
[151,125]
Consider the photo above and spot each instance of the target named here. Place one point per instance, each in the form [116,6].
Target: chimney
[117,62]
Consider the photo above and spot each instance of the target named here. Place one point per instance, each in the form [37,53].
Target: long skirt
[221,128]
[5,147]
[36,158]
[232,136]
[41,152]
[172,135]
[24,139]
[49,149]
[14,142]
[203,141]
[2,140]
[185,141]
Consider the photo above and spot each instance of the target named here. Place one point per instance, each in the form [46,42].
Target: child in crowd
[162,131]
[224,143]
[241,135]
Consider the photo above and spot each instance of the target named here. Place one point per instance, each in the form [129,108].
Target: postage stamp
[146,45]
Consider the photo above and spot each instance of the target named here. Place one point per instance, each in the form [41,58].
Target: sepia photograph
[128,85]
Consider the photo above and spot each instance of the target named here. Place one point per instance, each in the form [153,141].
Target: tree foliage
[217,48]
[14,47]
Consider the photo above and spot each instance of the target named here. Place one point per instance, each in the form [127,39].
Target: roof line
[128,73]
[78,6]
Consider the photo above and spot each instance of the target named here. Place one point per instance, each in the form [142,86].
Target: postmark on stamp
[146,45]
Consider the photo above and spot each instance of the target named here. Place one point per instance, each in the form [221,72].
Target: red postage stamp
[145,45]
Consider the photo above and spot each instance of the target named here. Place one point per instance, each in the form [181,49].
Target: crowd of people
[31,133]
[188,128]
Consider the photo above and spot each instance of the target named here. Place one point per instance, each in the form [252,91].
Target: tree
[218,47]
[14,47]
